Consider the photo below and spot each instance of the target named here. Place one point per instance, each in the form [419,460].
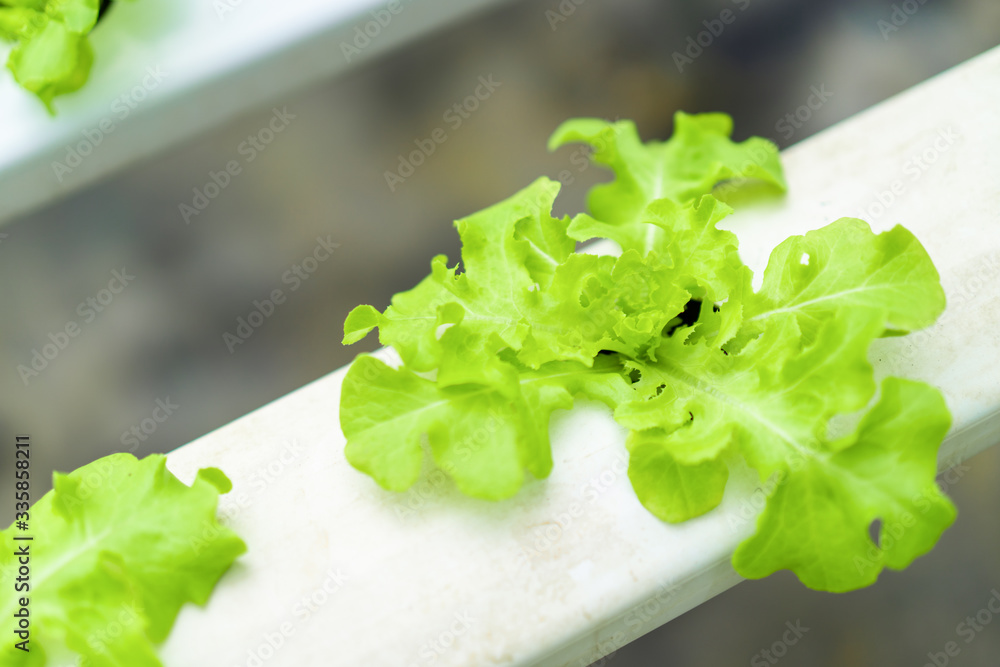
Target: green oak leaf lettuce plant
[705,371]
[119,546]
[52,55]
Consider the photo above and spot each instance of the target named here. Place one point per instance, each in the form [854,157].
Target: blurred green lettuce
[51,54]
[118,547]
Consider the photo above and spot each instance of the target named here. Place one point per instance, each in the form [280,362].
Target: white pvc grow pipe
[340,572]
[165,71]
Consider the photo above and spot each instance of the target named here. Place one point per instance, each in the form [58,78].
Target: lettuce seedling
[117,548]
[52,55]
[704,371]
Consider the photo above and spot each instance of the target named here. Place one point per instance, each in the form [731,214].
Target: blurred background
[160,342]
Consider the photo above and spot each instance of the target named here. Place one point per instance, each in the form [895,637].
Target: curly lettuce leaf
[17,22]
[771,401]
[52,62]
[704,371]
[482,435]
[671,489]
[522,288]
[817,521]
[489,295]
[771,404]
[120,543]
[52,55]
[80,16]
[846,265]
[698,156]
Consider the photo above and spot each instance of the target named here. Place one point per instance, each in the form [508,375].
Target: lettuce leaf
[15,21]
[816,523]
[52,55]
[483,435]
[826,297]
[845,265]
[705,372]
[53,61]
[769,402]
[120,545]
[699,156]
[522,288]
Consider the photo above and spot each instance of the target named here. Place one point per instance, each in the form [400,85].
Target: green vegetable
[51,56]
[484,434]
[699,156]
[120,545]
[704,371]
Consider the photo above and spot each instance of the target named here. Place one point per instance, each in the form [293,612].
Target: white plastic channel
[340,572]
[168,69]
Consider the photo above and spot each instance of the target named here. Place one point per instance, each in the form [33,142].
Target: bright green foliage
[51,56]
[840,266]
[698,157]
[120,545]
[484,434]
[703,370]
[816,523]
